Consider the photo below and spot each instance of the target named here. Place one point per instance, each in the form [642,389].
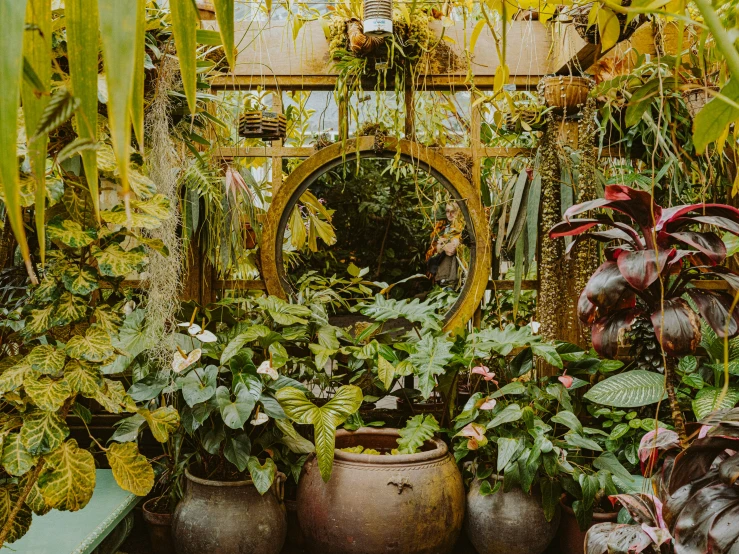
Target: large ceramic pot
[570,538]
[229,517]
[508,522]
[159,526]
[405,504]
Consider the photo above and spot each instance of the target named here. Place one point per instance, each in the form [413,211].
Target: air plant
[652,263]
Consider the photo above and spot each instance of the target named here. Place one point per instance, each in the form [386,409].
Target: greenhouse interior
[369,277]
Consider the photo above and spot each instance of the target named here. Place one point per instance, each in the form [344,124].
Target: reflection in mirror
[377,225]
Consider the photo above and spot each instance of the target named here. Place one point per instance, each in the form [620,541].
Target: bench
[101,527]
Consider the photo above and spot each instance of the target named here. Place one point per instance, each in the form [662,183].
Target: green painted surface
[79,532]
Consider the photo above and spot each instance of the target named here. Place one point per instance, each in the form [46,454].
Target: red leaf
[670,215]
[709,244]
[714,307]
[586,310]
[606,286]
[606,331]
[678,327]
[637,204]
[570,228]
[584,207]
[642,268]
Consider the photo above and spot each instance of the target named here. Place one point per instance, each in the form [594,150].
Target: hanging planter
[589,33]
[696,98]
[565,92]
[206,10]
[263,125]
[378,18]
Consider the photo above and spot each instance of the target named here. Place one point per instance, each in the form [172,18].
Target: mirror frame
[434,163]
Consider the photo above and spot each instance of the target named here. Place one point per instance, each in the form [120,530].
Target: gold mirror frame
[448,175]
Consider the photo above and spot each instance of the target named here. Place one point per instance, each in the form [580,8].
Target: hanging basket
[378,18]
[263,125]
[206,10]
[696,98]
[565,92]
[590,33]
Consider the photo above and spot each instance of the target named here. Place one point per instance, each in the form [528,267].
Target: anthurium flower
[485,372]
[192,328]
[265,368]
[260,418]
[206,336]
[476,434]
[566,380]
[183,361]
[129,307]
[489,404]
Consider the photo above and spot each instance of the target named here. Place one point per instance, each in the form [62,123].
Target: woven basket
[565,92]
[591,34]
[206,10]
[263,125]
[696,98]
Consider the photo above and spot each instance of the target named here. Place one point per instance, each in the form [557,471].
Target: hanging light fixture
[378,18]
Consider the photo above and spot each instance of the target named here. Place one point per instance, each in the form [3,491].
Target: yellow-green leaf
[9,495]
[107,319]
[37,50]
[184,25]
[48,394]
[118,33]
[39,321]
[47,359]
[113,397]
[142,186]
[71,481]
[385,371]
[117,216]
[137,100]
[83,378]
[71,233]
[36,501]
[43,432]
[609,28]
[13,377]
[479,26]
[69,308]
[81,17]
[80,279]
[114,261]
[94,346]
[131,470]
[162,421]
[225,16]
[157,206]
[12,15]
[713,119]
[16,459]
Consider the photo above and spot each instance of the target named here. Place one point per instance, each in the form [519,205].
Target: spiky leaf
[417,431]
[60,108]
[71,481]
[131,470]
[43,432]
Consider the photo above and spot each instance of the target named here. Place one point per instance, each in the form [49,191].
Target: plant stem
[5,531]
[677,415]
[722,38]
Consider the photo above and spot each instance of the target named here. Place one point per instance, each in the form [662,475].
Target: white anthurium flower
[129,307]
[206,336]
[181,362]
[192,328]
[265,368]
[260,419]
[535,325]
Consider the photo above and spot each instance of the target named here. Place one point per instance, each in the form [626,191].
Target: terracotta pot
[250,236]
[206,9]
[565,92]
[571,539]
[404,504]
[508,522]
[160,528]
[229,516]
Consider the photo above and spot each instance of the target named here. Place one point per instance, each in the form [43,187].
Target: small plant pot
[570,538]
[206,10]
[565,92]
[159,526]
[591,34]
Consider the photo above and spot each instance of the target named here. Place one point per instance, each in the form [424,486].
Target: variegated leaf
[131,470]
[114,261]
[16,459]
[94,346]
[80,280]
[9,495]
[13,377]
[43,432]
[630,389]
[71,233]
[157,206]
[48,394]
[39,321]
[141,185]
[47,291]
[162,421]
[107,318]
[71,481]
[155,244]
[114,398]
[69,309]
[83,378]
[117,216]
[36,501]
[47,359]
[707,401]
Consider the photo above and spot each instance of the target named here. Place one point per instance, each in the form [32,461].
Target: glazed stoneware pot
[570,538]
[229,517]
[405,504]
[159,526]
[508,522]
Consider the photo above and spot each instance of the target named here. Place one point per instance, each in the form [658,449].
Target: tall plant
[652,264]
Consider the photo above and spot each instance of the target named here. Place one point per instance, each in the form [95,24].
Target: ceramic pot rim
[440,449]
[210,483]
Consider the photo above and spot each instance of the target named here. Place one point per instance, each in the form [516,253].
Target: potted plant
[565,92]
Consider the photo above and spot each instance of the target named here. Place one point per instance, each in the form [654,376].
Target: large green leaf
[94,346]
[284,313]
[385,371]
[113,397]
[237,450]
[48,394]
[43,432]
[12,15]
[37,51]
[82,50]
[80,279]
[631,389]
[292,439]
[16,459]
[262,475]
[707,401]
[384,309]
[325,419]
[13,377]
[131,470]
[132,339]
[225,16]
[184,24]
[118,33]
[710,123]
[69,308]
[431,355]
[235,413]
[417,431]
[71,480]
[200,385]
[137,98]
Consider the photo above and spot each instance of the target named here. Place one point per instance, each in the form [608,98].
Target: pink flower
[489,404]
[485,372]
[654,441]
[476,434]
[566,380]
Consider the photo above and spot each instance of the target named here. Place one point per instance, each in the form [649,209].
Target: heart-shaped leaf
[80,280]
[162,421]
[16,459]
[262,475]
[114,261]
[71,481]
[83,377]
[70,233]
[235,413]
[131,470]
[94,346]
[200,385]
[47,359]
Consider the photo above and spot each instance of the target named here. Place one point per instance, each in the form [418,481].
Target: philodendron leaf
[131,470]
[262,475]
[417,431]
[429,359]
[48,394]
[325,419]
[385,371]
[16,459]
[94,346]
[237,450]
[631,389]
[69,484]
[43,432]
[292,439]
[162,421]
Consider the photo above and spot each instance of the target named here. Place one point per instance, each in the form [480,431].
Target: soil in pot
[159,525]
[569,537]
[409,503]
[508,522]
[229,516]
